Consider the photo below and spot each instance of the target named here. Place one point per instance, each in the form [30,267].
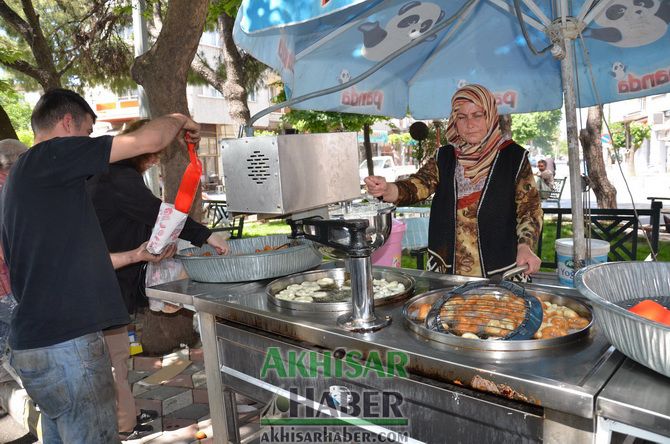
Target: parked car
[385,166]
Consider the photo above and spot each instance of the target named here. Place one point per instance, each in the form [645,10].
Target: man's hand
[219,243]
[154,136]
[524,255]
[192,130]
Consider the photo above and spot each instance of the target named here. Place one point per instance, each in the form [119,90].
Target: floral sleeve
[528,207]
[420,185]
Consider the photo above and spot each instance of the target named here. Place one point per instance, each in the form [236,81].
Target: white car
[385,166]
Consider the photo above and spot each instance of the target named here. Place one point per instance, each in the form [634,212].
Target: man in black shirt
[61,273]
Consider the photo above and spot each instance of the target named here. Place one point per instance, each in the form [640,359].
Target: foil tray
[245,264]
[614,287]
[339,275]
[418,326]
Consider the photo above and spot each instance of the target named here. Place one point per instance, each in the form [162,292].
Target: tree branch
[201,67]
[15,21]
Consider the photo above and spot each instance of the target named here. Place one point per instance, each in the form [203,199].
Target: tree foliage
[324,121]
[639,132]
[19,112]
[65,42]
[537,129]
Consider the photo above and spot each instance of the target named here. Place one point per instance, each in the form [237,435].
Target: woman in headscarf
[486,214]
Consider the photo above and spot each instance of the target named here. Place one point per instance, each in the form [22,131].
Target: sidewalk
[181,401]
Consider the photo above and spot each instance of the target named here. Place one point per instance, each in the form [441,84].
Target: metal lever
[514,271]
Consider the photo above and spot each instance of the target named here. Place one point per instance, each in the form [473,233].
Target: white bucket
[564,253]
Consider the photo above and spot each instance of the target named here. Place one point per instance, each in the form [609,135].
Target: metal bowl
[245,264]
[614,287]
[378,214]
[418,327]
[339,275]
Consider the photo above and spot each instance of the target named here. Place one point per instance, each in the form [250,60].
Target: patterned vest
[496,213]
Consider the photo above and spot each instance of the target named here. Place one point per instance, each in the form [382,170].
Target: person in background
[61,272]
[486,216]
[545,178]
[10,150]
[127,211]
[551,165]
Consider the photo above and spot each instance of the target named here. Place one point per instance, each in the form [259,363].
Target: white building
[654,155]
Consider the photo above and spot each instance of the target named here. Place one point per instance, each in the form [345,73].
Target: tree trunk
[595,163]
[506,125]
[233,89]
[6,128]
[163,332]
[162,71]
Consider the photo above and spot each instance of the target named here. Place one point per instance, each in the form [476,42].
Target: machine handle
[322,230]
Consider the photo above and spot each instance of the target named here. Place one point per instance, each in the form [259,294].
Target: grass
[255,229]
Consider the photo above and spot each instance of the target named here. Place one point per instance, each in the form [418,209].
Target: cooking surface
[564,378]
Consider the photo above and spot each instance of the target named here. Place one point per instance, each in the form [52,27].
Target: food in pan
[327,290]
[488,316]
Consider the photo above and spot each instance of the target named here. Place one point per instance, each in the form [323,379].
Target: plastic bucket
[564,253]
[390,254]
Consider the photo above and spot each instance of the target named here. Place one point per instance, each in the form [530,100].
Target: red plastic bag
[189,181]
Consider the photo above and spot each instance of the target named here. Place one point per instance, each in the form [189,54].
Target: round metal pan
[339,275]
[430,297]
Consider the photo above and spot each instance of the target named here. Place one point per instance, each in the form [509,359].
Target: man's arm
[139,254]
[153,137]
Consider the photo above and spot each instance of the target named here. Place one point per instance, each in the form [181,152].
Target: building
[653,156]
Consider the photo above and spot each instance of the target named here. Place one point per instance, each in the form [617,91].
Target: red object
[652,310]
[189,181]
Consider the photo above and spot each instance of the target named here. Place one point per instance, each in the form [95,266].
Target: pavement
[181,402]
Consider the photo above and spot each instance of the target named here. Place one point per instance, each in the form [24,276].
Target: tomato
[652,310]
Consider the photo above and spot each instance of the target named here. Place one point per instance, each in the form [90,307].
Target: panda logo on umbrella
[412,21]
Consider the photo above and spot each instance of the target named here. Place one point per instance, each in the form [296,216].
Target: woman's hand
[524,255]
[379,187]
[142,255]
[219,243]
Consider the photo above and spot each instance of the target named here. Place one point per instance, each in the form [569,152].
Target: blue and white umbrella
[397,56]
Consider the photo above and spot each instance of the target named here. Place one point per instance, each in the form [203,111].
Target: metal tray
[339,275]
[614,287]
[430,297]
[245,264]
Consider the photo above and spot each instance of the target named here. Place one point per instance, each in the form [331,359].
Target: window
[210,91]
[252,95]
[208,154]
[128,94]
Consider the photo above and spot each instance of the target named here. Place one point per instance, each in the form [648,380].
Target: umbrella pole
[567,72]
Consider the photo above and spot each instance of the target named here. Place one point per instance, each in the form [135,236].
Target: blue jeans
[72,384]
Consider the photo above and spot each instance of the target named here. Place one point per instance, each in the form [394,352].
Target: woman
[486,215]
[127,211]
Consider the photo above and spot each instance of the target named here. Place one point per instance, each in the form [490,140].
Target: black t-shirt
[60,270]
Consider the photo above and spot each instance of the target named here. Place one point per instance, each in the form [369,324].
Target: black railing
[617,226]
